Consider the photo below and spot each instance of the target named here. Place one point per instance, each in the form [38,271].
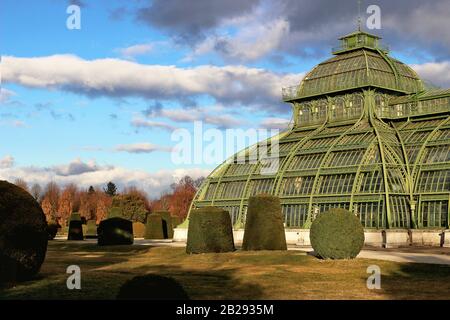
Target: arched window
[337,108]
[304,114]
[322,105]
[354,106]
[380,105]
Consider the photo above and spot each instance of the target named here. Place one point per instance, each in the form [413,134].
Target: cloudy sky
[101,103]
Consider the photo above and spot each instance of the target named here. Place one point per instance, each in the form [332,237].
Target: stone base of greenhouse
[391,238]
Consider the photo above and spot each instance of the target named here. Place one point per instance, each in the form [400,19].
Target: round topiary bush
[264,228]
[209,230]
[337,234]
[75,227]
[152,287]
[138,229]
[167,224]
[154,227]
[115,231]
[91,229]
[52,229]
[23,234]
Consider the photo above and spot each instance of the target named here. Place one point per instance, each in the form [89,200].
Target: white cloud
[6,162]
[437,73]
[121,78]
[253,41]
[85,174]
[214,115]
[275,123]
[135,50]
[76,167]
[140,147]
[5,95]
[142,123]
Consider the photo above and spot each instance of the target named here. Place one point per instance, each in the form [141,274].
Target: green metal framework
[366,136]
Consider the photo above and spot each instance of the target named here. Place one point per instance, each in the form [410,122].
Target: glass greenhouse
[366,136]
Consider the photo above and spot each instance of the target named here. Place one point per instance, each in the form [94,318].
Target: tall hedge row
[264,229]
[75,227]
[210,230]
[138,229]
[91,229]
[167,224]
[154,227]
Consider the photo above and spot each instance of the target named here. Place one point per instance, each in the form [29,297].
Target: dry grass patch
[233,275]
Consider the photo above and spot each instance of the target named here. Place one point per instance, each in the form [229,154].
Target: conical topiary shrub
[91,229]
[337,234]
[115,231]
[209,230]
[138,229]
[75,227]
[114,212]
[264,228]
[23,234]
[154,227]
[167,224]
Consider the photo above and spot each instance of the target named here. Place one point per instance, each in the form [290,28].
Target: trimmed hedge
[154,227]
[84,227]
[115,231]
[167,224]
[264,228]
[152,287]
[75,216]
[337,234]
[176,221]
[23,234]
[52,229]
[138,229]
[75,227]
[91,229]
[114,212]
[209,230]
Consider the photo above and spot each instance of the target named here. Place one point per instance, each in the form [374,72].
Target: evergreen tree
[111,189]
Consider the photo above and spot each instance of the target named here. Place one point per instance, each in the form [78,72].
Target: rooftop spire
[359,15]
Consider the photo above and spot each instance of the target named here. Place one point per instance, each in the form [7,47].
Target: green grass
[236,275]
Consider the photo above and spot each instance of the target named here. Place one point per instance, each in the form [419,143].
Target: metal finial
[359,15]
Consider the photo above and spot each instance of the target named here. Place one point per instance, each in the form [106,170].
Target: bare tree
[36,192]
[50,201]
[21,183]
[69,201]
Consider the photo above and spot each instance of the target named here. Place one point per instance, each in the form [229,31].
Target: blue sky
[101,102]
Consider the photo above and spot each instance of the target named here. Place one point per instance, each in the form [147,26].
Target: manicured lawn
[238,275]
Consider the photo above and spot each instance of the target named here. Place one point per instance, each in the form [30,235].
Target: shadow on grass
[50,282]
[105,270]
[152,287]
[417,281]
[211,285]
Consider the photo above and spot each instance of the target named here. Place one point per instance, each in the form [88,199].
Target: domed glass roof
[365,136]
[359,62]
